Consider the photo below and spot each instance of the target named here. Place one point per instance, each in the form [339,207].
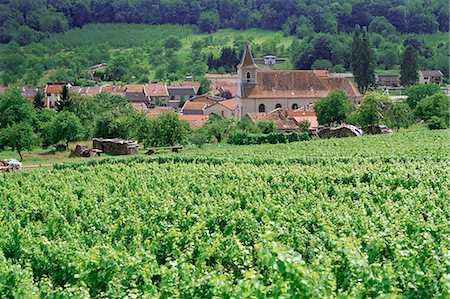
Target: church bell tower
[247,71]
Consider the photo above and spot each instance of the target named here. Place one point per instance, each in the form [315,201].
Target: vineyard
[361,217]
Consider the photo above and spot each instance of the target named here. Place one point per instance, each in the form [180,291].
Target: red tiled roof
[220,76]
[53,88]
[297,84]
[345,84]
[195,121]
[194,106]
[156,90]
[155,112]
[230,104]
[204,99]
[93,90]
[134,88]
[322,73]
[311,119]
[226,85]
[113,88]
[185,84]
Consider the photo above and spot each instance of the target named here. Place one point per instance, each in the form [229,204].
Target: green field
[347,218]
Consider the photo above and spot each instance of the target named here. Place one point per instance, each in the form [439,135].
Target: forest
[26,21]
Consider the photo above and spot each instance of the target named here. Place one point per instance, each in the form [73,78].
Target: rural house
[428,77]
[157,94]
[388,80]
[52,93]
[135,93]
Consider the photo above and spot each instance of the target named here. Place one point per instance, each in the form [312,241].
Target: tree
[208,21]
[168,130]
[382,26]
[419,92]
[18,137]
[267,126]
[38,102]
[64,127]
[356,45]
[322,64]
[408,67]
[363,60]
[433,107]
[304,27]
[172,43]
[399,115]
[333,108]
[65,102]
[14,108]
[370,112]
[204,86]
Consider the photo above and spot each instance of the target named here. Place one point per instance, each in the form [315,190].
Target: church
[263,90]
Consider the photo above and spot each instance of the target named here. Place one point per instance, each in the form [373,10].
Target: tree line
[26,21]
[425,103]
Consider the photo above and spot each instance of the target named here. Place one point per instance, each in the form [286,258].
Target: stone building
[264,90]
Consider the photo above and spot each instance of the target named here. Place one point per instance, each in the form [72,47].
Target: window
[425,78]
[248,76]
[262,108]
[277,106]
[294,106]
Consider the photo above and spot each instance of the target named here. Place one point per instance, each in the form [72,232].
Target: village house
[262,90]
[388,80]
[208,105]
[157,94]
[428,77]
[52,93]
[135,93]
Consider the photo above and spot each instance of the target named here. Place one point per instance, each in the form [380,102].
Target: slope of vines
[363,227]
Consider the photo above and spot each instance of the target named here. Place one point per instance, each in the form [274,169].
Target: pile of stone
[82,150]
[10,165]
[116,146]
[340,132]
[378,129]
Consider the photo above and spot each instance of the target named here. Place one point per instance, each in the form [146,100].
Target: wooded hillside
[25,21]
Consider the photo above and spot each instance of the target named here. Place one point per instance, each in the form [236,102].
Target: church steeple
[247,69]
[247,59]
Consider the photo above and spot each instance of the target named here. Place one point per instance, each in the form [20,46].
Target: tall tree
[38,102]
[356,45]
[64,103]
[363,60]
[333,108]
[408,67]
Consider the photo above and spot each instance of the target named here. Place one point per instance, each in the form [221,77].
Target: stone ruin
[116,146]
[10,165]
[82,150]
[378,129]
[340,132]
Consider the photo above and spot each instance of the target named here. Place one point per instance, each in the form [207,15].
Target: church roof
[296,84]
[247,59]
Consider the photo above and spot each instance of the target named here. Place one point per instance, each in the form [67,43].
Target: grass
[47,157]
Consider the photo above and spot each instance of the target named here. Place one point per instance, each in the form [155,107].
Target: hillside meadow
[141,49]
